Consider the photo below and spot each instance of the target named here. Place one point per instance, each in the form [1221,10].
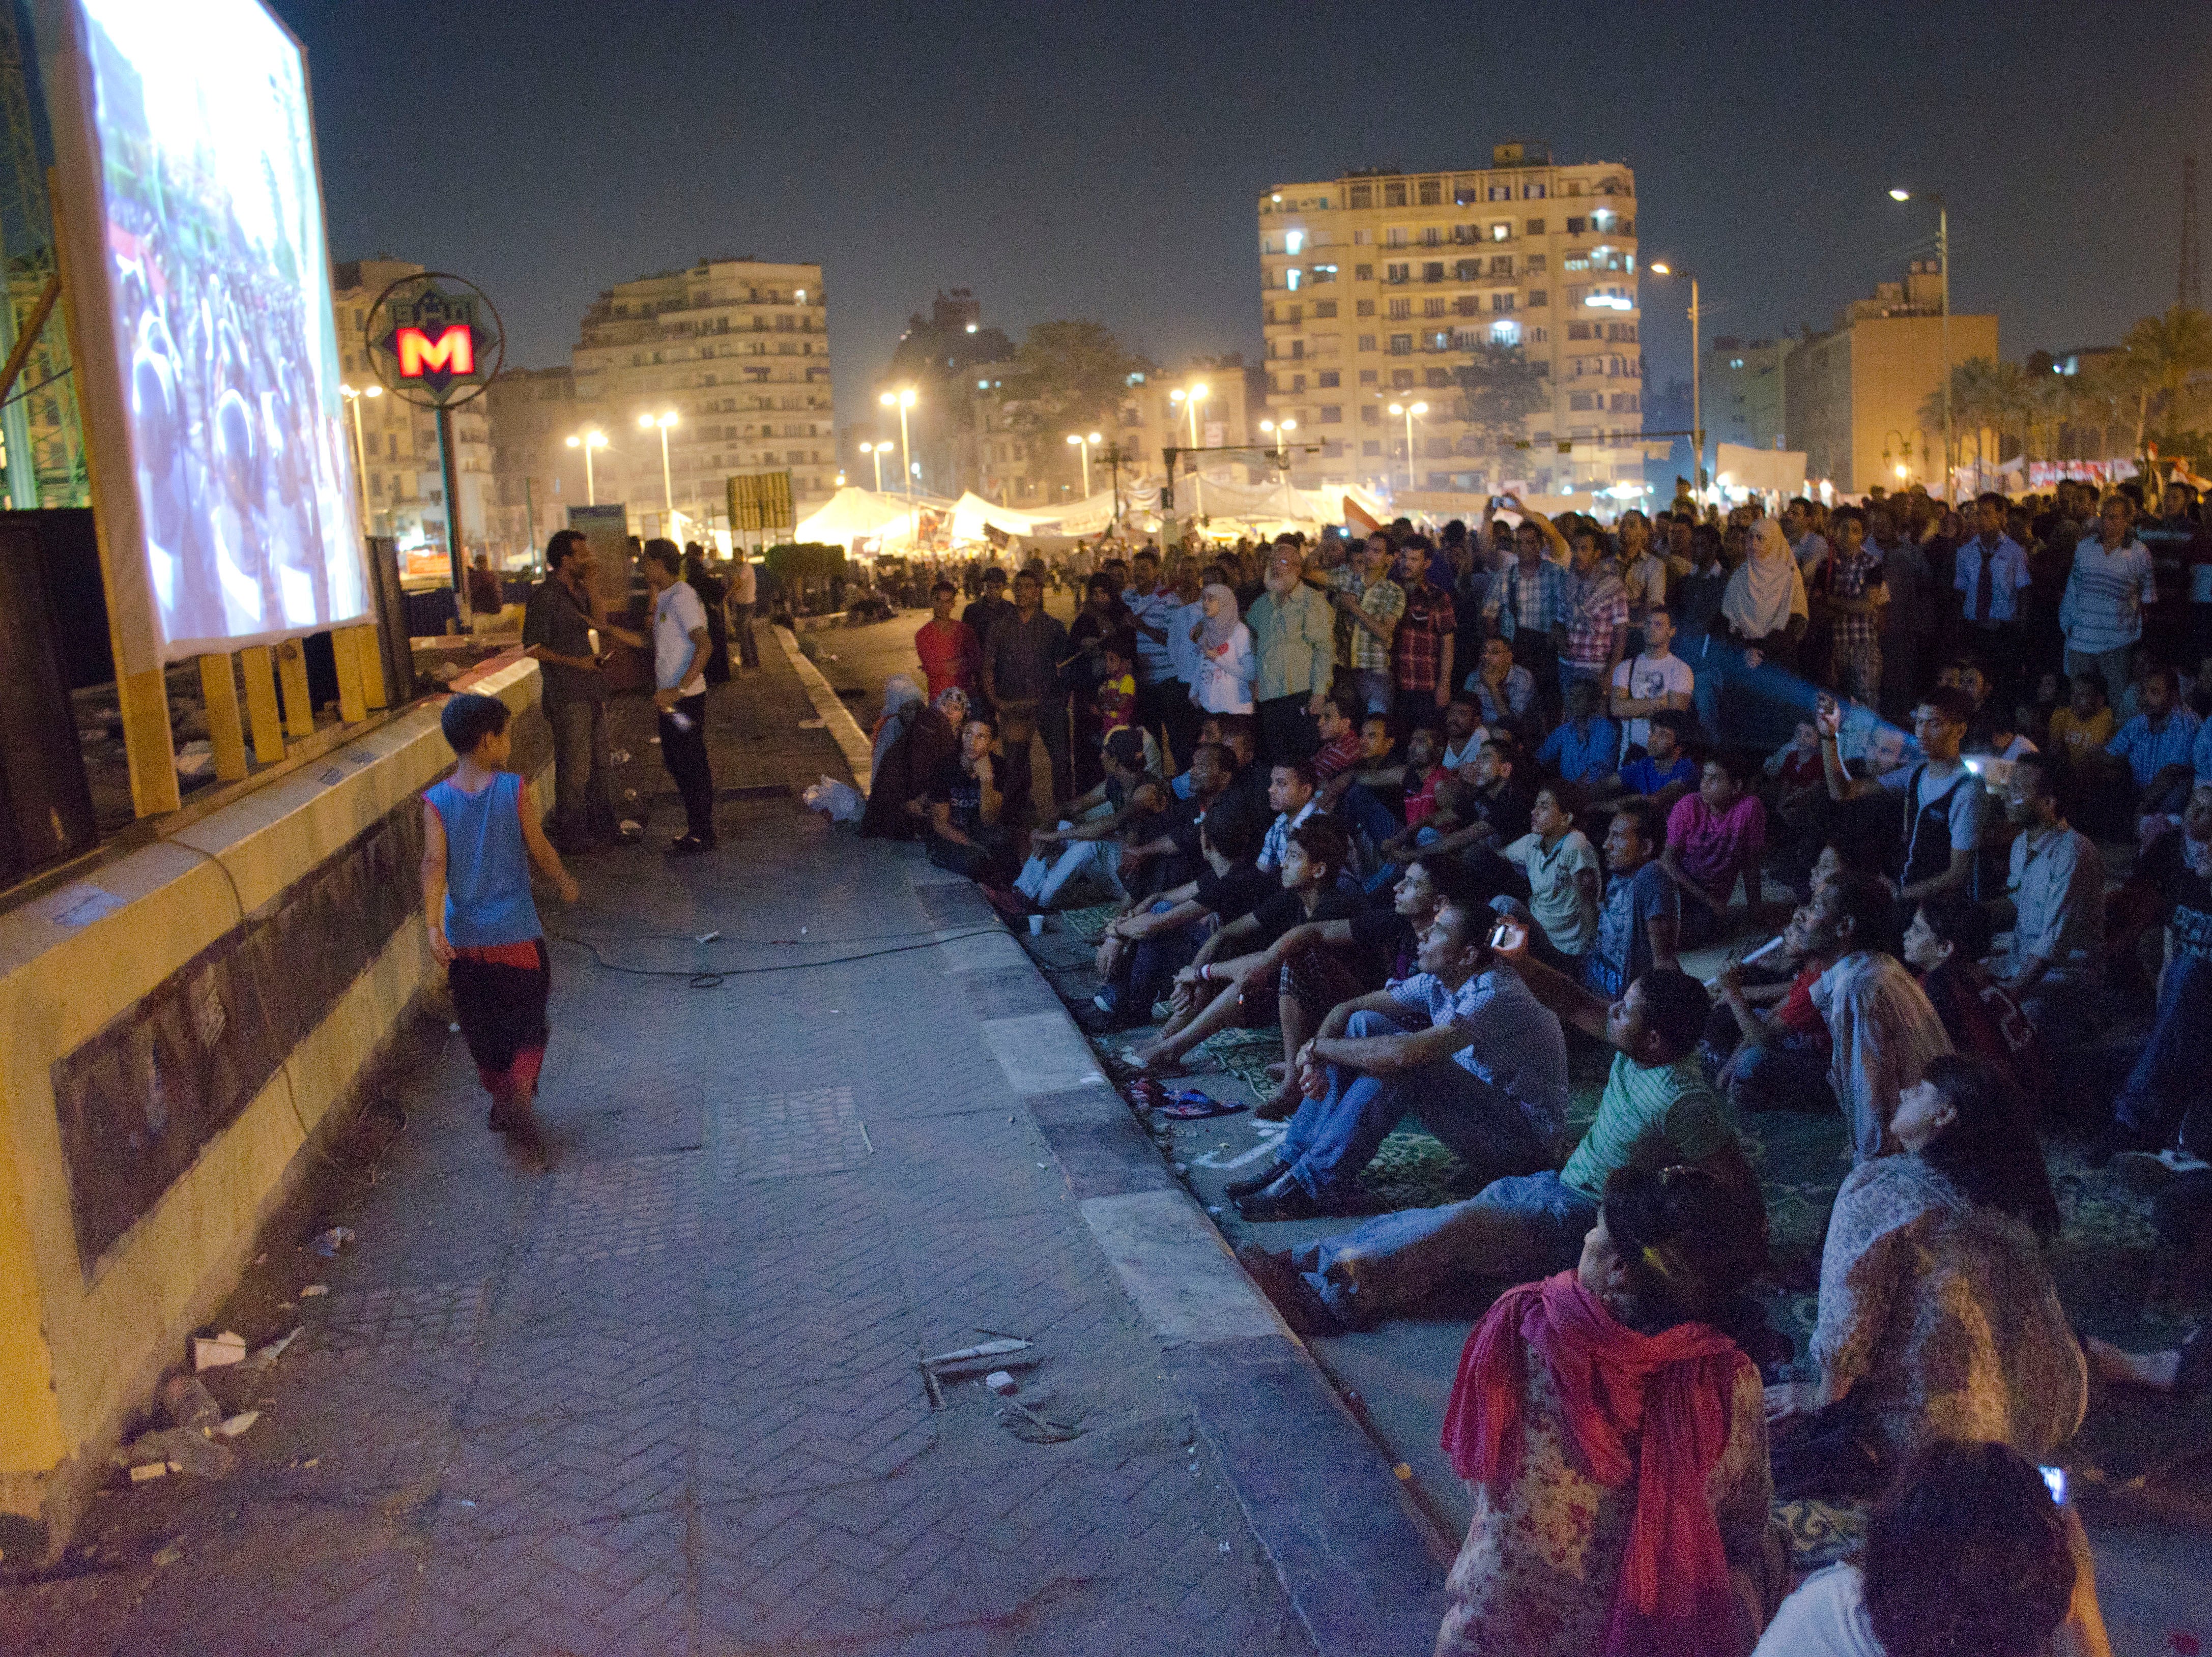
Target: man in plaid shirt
[1523,606]
[1853,597]
[1372,606]
[1593,618]
[1421,652]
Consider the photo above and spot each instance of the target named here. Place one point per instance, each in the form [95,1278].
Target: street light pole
[587,441]
[875,452]
[1697,379]
[903,401]
[1409,410]
[1190,399]
[361,445]
[646,422]
[1943,275]
[1085,443]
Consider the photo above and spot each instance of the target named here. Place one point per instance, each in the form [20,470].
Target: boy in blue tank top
[480,833]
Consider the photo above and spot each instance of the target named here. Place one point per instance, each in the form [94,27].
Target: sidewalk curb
[829,708]
[1362,1565]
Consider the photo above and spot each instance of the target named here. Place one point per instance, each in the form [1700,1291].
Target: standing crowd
[1934,784]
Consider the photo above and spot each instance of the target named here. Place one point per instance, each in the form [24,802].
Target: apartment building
[738,350]
[1856,393]
[1377,285]
[535,475]
[402,472]
[1744,393]
[1153,414]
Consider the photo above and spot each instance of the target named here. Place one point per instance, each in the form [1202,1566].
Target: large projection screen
[186,146]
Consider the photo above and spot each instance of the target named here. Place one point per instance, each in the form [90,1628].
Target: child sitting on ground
[480,833]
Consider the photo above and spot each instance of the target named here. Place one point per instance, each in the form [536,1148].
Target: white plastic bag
[838,801]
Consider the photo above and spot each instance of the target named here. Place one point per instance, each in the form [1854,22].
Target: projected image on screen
[220,287]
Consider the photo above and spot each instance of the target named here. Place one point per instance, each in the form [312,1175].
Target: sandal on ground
[1188,1105]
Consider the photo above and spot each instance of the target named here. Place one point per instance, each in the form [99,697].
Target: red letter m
[454,353]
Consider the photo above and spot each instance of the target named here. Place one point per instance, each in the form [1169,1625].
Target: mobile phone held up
[2054,1479]
[1509,937]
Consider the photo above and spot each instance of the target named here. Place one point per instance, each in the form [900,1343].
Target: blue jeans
[1359,809]
[2169,1074]
[1791,1074]
[1518,1229]
[1333,1137]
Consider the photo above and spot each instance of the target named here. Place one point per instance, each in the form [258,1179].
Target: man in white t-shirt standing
[1651,682]
[679,677]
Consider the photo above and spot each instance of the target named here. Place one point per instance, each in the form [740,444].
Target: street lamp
[1190,399]
[1697,378]
[587,441]
[360,446]
[1075,439]
[1410,410]
[1943,270]
[648,422]
[876,452]
[903,401]
[1903,467]
[1282,431]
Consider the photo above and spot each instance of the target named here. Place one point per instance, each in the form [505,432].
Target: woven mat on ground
[1089,923]
[1821,1533]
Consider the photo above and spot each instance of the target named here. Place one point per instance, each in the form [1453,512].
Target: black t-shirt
[1386,937]
[2186,893]
[951,785]
[1285,910]
[1248,790]
[1507,810]
[1236,893]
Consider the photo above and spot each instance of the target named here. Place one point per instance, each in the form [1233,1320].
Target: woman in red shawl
[1616,1442]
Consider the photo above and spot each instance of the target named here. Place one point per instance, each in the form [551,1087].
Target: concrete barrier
[176,1030]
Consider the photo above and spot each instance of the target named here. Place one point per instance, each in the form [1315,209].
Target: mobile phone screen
[2054,1479]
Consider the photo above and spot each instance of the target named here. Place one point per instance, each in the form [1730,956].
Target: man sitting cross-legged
[1089,837]
[1321,964]
[1212,994]
[1140,951]
[1462,1043]
[1657,1110]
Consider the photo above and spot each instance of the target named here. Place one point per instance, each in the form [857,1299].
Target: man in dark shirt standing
[982,615]
[1022,655]
[557,633]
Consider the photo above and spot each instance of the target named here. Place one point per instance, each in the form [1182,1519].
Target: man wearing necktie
[1991,571]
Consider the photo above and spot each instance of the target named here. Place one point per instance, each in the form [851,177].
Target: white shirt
[1825,1618]
[1223,684]
[744,583]
[1644,677]
[1456,757]
[676,613]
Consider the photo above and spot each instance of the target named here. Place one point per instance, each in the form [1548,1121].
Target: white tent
[851,514]
[1782,472]
[972,515]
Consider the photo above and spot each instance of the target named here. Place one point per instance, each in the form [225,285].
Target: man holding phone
[1461,1042]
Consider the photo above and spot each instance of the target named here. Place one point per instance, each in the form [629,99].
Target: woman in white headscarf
[1753,648]
[1226,665]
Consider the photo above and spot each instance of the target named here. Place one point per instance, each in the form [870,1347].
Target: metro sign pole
[435,340]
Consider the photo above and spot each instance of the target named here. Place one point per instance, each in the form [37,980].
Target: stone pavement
[663,1398]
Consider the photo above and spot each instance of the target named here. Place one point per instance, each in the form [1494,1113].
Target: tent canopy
[853,512]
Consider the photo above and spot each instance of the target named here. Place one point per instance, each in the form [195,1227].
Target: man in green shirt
[1656,1109]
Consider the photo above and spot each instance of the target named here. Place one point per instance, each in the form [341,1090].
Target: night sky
[1103,161]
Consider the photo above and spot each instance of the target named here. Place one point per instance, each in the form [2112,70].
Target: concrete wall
[83,1340]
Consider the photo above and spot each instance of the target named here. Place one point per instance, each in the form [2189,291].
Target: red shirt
[949,656]
[1338,758]
[1798,1015]
[1421,795]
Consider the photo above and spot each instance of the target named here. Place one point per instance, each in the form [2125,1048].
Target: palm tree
[2168,351]
[1982,400]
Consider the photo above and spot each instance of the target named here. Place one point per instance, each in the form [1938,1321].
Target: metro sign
[434,339]
[452,354]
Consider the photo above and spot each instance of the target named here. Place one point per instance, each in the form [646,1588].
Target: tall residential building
[1855,394]
[940,358]
[1016,471]
[1378,285]
[1743,391]
[399,462]
[739,351]
[535,475]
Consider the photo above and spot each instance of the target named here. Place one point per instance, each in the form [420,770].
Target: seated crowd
[1437,810]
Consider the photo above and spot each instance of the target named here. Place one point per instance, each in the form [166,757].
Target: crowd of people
[1934,784]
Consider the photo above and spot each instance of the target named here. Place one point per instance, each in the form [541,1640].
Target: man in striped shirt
[2112,579]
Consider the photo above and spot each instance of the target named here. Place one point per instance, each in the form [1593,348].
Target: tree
[1498,387]
[2167,351]
[1067,376]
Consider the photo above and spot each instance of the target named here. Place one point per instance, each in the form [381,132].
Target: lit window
[1291,277]
[1735,362]
[1293,241]
[1505,333]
